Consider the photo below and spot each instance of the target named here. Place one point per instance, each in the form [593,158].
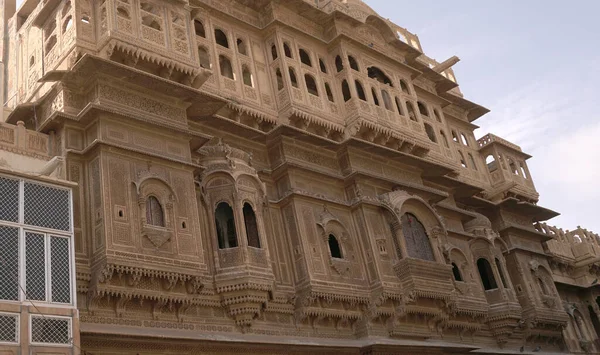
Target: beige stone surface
[295,176]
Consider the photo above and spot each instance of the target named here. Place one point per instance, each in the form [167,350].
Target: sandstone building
[272,177]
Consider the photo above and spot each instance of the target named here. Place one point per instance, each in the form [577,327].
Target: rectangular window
[9,328]
[9,263]
[35,266]
[60,270]
[47,207]
[9,208]
[50,330]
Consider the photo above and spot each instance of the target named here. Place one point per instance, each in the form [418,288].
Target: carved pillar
[399,239]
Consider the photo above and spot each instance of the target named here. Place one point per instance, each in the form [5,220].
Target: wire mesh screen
[59,270]
[9,192]
[48,330]
[47,207]
[35,267]
[9,263]
[8,328]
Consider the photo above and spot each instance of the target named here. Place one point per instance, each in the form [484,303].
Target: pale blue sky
[535,64]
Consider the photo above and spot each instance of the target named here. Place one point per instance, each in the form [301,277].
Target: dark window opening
[454,136]
[329,93]
[293,77]
[430,133]
[422,109]
[279,79]
[204,58]
[464,139]
[339,66]
[353,63]
[251,226]
[404,87]
[154,212]
[360,91]
[304,57]
[225,225]
[241,46]
[463,162]
[334,247]
[225,67]
[416,238]
[221,38]
[411,111]
[346,90]
[379,75]
[199,28]
[399,106]
[311,85]
[375,99]
[274,52]
[491,163]
[501,273]
[486,274]
[322,66]
[456,272]
[472,160]
[286,50]
[444,139]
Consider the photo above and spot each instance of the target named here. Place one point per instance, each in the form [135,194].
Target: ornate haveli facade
[265,177]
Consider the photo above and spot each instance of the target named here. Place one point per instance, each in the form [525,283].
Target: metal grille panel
[48,330]
[47,207]
[9,192]
[60,270]
[9,328]
[35,266]
[9,263]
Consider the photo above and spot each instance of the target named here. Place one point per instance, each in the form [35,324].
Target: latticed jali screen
[48,330]
[9,331]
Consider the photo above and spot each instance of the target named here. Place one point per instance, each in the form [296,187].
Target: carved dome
[480,222]
[359,5]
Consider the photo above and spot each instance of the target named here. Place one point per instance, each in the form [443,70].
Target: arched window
[199,28]
[472,160]
[463,162]
[415,236]
[154,212]
[404,87]
[50,44]
[491,163]
[279,79]
[221,38]
[353,63]
[304,57]
[251,226]
[122,12]
[67,24]
[454,136]
[501,273]
[293,77]
[225,225]
[322,66]
[456,273]
[346,90]
[360,91]
[329,93]
[465,141]
[274,52]
[204,58]
[523,171]
[387,101]
[444,139]
[339,66]
[486,274]
[438,117]
[334,247]
[430,133]
[247,76]
[379,75]
[513,166]
[399,106]
[241,47]
[225,67]
[422,109]
[411,111]
[311,85]
[286,50]
[542,286]
[374,94]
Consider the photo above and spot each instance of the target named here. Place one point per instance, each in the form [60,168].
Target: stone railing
[490,138]
[17,138]
[577,244]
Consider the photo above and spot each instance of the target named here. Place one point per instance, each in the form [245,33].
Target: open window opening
[379,75]
[329,93]
[251,226]
[422,109]
[311,85]
[274,52]
[339,65]
[225,224]
[225,67]
[304,57]
[360,91]
[346,90]
[199,28]
[472,161]
[286,50]
[463,161]
[221,38]
[353,63]
[404,87]
[430,133]
[204,58]
[486,274]
[411,111]
[334,247]
[491,163]
[241,47]
[247,76]
[322,66]
[293,78]
[399,106]
[456,273]
[374,94]
[464,139]
[154,212]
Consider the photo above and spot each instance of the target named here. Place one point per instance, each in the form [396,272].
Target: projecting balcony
[425,279]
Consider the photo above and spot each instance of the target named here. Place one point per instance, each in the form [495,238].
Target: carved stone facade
[295,176]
